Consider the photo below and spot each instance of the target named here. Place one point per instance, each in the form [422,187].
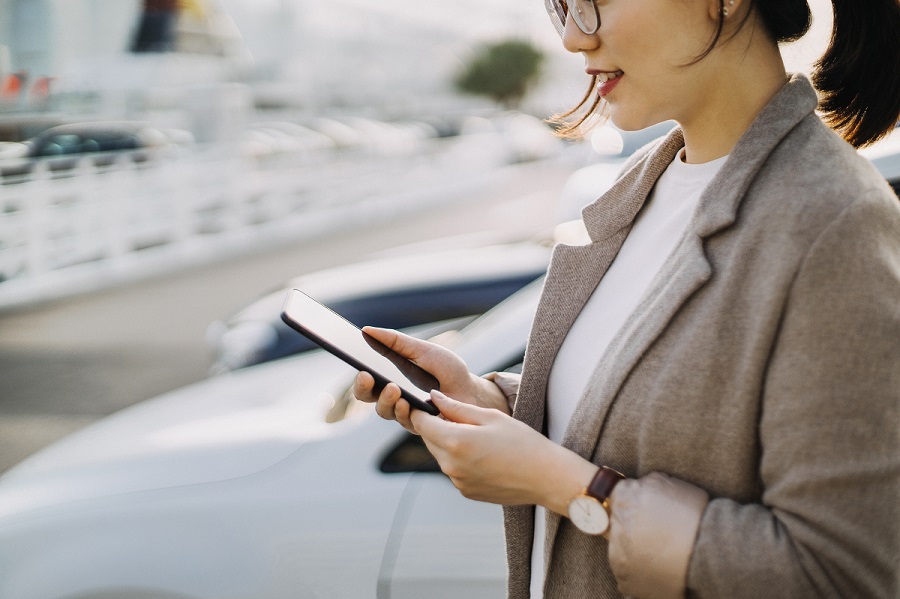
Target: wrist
[490,394]
[570,475]
[591,510]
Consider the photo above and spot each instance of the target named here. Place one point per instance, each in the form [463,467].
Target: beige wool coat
[763,366]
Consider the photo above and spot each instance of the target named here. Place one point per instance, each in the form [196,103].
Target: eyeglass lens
[584,14]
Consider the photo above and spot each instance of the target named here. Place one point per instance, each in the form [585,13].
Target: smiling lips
[606,80]
[604,76]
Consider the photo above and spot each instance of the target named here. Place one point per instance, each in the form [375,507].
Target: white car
[885,155]
[264,483]
[408,288]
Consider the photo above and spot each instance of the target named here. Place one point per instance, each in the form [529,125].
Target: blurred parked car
[885,155]
[374,137]
[395,292]
[520,137]
[267,483]
[13,149]
[61,147]
[267,139]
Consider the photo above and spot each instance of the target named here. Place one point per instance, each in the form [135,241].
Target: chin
[630,120]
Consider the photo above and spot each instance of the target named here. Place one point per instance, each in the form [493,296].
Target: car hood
[222,428]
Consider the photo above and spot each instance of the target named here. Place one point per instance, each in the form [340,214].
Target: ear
[727,8]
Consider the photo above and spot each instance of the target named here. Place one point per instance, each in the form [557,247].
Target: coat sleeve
[828,524]
[508,383]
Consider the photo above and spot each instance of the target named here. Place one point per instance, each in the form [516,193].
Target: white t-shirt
[657,230]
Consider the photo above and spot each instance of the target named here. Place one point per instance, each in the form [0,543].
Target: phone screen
[346,341]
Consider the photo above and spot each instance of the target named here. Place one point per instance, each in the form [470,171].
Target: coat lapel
[575,272]
[573,275]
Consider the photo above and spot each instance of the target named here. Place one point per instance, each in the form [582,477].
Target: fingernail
[437,394]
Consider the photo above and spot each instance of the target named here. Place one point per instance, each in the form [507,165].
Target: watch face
[588,515]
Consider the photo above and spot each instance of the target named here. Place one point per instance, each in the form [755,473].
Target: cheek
[664,40]
[637,44]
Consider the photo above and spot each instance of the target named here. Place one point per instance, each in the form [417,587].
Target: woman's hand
[448,368]
[492,457]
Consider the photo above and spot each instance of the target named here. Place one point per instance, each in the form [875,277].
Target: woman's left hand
[492,457]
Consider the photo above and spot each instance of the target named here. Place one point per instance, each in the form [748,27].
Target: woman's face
[642,47]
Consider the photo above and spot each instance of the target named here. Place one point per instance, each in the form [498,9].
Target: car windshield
[496,340]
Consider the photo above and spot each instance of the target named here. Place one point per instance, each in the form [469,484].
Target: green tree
[503,71]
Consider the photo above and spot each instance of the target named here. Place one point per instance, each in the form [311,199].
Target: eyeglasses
[584,14]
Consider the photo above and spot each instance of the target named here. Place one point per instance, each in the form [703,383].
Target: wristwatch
[589,510]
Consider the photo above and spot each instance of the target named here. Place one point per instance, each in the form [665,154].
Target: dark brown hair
[858,77]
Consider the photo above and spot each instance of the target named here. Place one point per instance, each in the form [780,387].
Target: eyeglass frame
[558,11]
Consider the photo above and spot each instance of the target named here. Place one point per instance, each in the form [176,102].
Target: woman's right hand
[448,368]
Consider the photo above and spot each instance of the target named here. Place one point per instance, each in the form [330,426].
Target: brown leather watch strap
[603,483]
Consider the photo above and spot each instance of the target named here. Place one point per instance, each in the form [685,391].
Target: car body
[270,138]
[405,289]
[60,148]
[13,149]
[885,155]
[266,483]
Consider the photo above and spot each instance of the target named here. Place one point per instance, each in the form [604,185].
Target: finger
[425,354]
[402,412]
[459,412]
[430,427]
[436,427]
[388,398]
[363,387]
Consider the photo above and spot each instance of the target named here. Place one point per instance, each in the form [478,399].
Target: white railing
[87,227]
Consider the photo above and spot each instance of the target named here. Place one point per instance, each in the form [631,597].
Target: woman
[709,400]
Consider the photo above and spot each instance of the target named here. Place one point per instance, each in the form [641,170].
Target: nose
[575,40]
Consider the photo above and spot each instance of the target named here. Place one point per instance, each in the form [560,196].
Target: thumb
[406,346]
[457,411]
[430,356]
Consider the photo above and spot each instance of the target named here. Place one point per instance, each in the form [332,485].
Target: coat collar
[575,272]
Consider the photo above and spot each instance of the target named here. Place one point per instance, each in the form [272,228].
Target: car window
[61,144]
[113,142]
[99,141]
[408,455]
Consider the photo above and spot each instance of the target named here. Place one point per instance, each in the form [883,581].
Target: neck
[746,72]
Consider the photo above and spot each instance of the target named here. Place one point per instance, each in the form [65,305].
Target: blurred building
[388,56]
[176,60]
[201,64]
[51,37]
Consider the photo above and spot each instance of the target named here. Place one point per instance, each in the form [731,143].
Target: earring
[725,8]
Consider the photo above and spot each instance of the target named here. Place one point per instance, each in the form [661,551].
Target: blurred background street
[67,363]
[163,163]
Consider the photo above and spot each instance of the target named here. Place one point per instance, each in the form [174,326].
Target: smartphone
[345,340]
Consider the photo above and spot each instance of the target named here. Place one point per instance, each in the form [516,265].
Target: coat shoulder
[813,176]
